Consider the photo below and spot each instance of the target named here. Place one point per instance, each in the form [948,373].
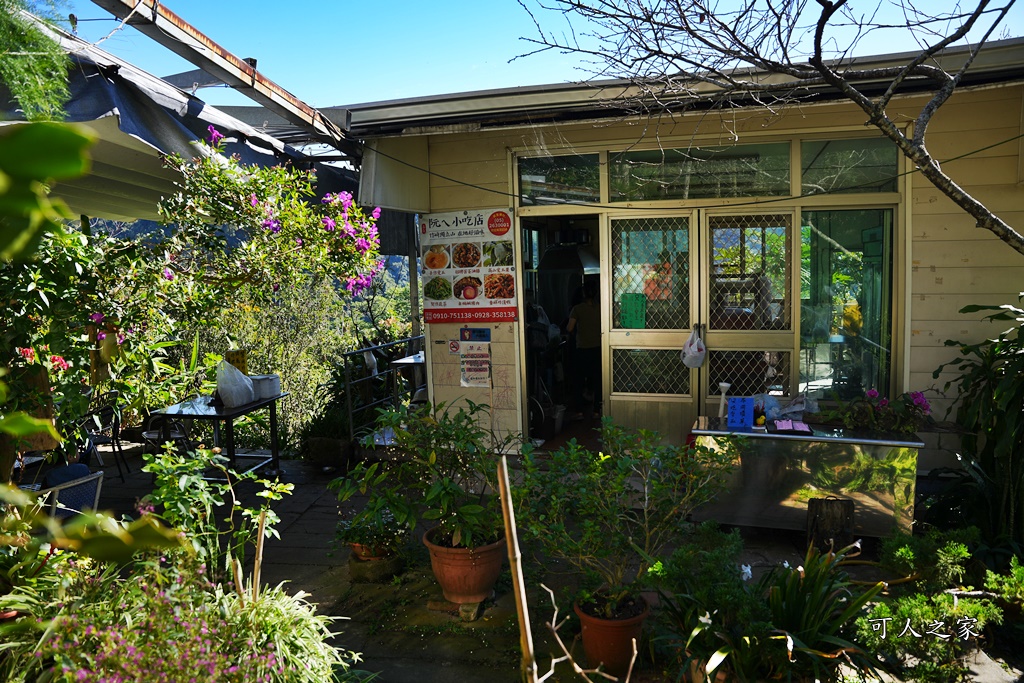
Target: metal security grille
[651,266]
[749,372]
[749,280]
[649,371]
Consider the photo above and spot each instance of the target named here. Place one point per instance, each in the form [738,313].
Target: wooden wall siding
[953,263]
[503,397]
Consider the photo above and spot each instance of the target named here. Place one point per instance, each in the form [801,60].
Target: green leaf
[45,151]
[21,424]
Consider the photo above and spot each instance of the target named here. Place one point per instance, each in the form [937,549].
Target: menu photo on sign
[468,267]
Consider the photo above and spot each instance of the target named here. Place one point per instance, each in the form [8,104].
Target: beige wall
[945,264]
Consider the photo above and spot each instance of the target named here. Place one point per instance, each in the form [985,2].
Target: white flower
[706,619]
[785,564]
[745,572]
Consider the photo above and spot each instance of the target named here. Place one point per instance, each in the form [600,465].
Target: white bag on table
[233,387]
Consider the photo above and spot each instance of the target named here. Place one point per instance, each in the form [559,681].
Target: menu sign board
[468,267]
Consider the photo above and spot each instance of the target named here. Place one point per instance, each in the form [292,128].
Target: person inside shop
[585,322]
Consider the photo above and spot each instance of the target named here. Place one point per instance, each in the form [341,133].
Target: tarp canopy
[138,118]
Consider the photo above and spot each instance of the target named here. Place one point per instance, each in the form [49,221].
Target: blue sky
[336,52]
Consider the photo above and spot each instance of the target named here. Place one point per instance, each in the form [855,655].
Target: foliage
[907,413]
[606,513]
[936,560]
[374,526]
[236,225]
[445,470]
[145,626]
[928,634]
[32,65]
[990,413]
[188,498]
[793,623]
[1010,586]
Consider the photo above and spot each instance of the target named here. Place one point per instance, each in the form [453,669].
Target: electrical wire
[757,202]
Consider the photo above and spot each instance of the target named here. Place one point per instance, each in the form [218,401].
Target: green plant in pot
[373,533]
[442,470]
[607,513]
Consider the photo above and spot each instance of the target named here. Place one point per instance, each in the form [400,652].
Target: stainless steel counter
[776,474]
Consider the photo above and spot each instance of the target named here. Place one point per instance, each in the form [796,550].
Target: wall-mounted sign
[477,334]
[468,267]
[475,361]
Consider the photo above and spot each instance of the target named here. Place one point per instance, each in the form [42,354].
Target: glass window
[651,266]
[847,166]
[846,302]
[559,179]
[701,173]
[749,273]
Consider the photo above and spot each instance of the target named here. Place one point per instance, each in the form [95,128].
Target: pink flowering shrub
[907,413]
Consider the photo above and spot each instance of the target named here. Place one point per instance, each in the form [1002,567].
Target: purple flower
[276,287]
[168,274]
[362,245]
[327,199]
[100,336]
[120,338]
[298,241]
[253,200]
[376,213]
[329,223]
[273,225]
[346,199]
[883,403]
[871,393]
[215,135]
[96,318]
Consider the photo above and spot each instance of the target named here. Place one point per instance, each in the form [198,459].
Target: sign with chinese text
[475,359]
[468,267]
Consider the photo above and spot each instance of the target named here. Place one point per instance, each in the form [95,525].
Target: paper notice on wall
[475,359]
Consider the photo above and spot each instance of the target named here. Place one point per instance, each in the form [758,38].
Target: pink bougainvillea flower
[376,213]
[59,363]
[168,274]
[871,393]
[329,223]
[215,135]
[96,318]
[28,353]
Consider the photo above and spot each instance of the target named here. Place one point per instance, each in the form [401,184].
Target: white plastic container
[265,386]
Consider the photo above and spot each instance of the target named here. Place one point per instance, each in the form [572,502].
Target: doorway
[560,255]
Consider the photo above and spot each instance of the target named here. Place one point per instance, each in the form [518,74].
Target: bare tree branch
[671,51]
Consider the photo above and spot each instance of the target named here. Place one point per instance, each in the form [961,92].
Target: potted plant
[373,533]
[443,470]
[606,514]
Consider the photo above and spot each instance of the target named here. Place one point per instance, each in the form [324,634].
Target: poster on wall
[468,267]
[475,362]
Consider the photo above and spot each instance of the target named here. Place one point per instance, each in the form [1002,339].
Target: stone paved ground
[400,638]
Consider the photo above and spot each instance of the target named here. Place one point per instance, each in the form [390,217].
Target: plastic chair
[103,426]
[153,435]
[71,497]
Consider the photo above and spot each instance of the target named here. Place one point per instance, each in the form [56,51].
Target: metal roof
[998,61]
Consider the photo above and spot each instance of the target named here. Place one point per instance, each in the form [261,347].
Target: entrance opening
[560,257]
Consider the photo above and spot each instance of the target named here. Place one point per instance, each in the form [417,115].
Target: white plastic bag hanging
[694,351]
[234,388]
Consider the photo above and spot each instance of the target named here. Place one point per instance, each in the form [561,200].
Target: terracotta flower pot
[466,575]
[609,642]
[369,553]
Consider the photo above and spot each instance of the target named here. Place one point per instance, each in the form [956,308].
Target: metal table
[200,409]
[776,474]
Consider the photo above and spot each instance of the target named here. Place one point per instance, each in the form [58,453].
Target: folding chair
[103,426]
[153,435]
[74,496]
